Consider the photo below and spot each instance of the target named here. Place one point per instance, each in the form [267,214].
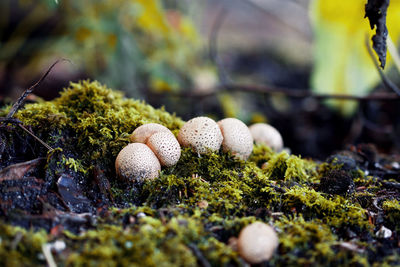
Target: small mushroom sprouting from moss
[143,132]
[266,134]
[136,162]
[202,134]
[237,138]
[165,147]
[257,242]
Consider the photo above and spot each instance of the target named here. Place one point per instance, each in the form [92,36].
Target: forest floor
[63,204]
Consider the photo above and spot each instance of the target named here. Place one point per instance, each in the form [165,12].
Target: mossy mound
[97,121]
[192,213]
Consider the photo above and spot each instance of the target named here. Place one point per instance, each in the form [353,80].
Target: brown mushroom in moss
[143,132]
[257,242]
[266,134]
[165,147]
[237,138]
[136,162]
[202,134]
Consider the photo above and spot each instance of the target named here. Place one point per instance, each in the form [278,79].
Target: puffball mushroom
[257,242]
[266,134]
[143,132]
[237,138]
[201,134]
[136,162]
[165,147]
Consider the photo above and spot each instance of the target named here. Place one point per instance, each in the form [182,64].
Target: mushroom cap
[266,134]
[143,132]
[237,137]
[201,134]
[257,242]
[136,162]
[165,147]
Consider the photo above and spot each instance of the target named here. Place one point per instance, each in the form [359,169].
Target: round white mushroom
[165,147]
[202,134]
[237,138]
[143,132]
[257,242]
[136,162]
[266,134]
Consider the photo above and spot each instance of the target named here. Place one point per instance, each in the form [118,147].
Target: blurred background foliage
[126,44]
[170,51]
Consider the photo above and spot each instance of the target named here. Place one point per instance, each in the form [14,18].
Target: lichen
[193,211]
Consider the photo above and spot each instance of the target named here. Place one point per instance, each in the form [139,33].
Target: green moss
[392,212]
[312,241]
[4,110]
[89,124]
[335,211]
[171,240]
[148,243]
[19,247]
[219,179]
[74,164]
[368,181]
[261,154]
[90,118]
[289,168]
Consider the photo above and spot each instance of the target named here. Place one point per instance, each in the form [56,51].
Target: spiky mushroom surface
[202,134]
[142,133]
[165,147]
[136,163]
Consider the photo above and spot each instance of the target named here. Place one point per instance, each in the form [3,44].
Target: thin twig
[28,91]
[196,251]
[9,118]
[264,89]
[385,80]
[213,43]
[37,138]
[297,28]
[393,185]
[46,249]
[393,52]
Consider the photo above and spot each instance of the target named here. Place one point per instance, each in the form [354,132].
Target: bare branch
[21,100]
[28,91]
[289,92]
[213,43]
[385,80]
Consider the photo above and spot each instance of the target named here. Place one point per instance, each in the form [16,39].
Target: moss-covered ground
[193,212]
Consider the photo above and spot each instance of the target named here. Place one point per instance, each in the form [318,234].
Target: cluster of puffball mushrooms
[153,145]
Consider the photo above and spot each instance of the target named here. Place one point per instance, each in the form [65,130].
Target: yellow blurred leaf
[257,117]
[82,34]
[152,17]
[159,85]
[112,40]
[230,105]
[342,64]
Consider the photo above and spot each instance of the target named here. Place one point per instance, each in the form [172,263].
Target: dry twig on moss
[21,100]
